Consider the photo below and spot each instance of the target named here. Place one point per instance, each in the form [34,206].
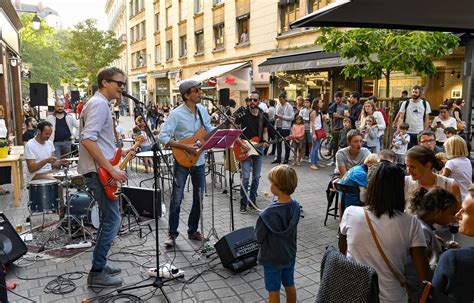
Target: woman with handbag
[317,131]
[383,236]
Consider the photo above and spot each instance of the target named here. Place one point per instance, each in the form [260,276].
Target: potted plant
[4,146]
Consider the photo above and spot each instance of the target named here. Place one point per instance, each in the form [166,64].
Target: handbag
[320,133]
[460,126]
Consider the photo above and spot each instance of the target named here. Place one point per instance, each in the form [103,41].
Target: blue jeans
[198,178]
[254,162]
[61,148]
[109,221]
[315,151]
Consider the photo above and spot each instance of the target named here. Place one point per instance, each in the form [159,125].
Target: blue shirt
[183,123]
[356,176]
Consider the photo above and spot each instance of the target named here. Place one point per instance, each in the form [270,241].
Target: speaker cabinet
[39,94]
[74,96]
[142,199]
[224,97]
[238,250]
[12,246]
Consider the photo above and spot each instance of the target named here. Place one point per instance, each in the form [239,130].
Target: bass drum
[83,206]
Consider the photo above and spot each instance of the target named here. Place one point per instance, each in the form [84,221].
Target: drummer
[40,161]
[39,154]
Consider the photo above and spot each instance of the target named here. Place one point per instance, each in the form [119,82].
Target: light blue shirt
[182,123]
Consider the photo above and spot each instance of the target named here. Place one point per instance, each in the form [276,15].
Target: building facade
[10,67]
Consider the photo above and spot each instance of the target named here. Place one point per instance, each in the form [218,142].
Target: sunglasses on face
[253,100]
[119,83]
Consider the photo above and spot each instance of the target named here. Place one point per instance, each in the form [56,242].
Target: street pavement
[205,279]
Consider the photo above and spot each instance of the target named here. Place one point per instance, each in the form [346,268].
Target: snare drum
[75,177]
[43,195]
[83,206]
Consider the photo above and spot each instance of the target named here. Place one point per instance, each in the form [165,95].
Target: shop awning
[300,61]
[430,15]
[219,71]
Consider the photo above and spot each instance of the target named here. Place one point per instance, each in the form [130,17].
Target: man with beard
[64,127]
[254,125]
[183,122]
[416,112]
[30,131]
[97,148]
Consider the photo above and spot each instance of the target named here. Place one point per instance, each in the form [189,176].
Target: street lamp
[36,22]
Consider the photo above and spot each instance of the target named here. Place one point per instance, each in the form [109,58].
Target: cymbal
[72,159]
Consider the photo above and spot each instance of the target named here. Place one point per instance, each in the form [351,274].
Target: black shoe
[284,162]
[271,154]
[252,207]
[275,162]
[243,208]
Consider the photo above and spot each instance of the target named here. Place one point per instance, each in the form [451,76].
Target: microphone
[205,98]
[127,95]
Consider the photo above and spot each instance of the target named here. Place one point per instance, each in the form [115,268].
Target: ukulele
[110,185]
[188,160]
[241,155]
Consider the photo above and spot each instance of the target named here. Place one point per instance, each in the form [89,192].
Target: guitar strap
[200,117]
[260,125]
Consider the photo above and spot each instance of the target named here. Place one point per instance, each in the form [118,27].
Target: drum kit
[81,209]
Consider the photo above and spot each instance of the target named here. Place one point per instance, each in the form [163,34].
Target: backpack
[406,106]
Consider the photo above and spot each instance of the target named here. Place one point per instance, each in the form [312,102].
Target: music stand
[225,138]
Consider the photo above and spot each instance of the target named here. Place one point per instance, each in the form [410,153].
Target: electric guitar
[110,185]
[241,155]
[188,160]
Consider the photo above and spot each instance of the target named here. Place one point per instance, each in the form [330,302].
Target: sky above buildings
[73,11]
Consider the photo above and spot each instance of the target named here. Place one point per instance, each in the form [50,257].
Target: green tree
[90,49]
[379,52]
[40,49]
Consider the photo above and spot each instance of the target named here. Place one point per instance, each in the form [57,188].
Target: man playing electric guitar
[255,126]
[97,147]
[183,122]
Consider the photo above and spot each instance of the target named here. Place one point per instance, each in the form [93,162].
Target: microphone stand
[231,178]
[159,282]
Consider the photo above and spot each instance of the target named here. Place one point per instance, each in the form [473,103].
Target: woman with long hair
[316,124]
[370,109]
[399,234]
[420,162]
[458,165]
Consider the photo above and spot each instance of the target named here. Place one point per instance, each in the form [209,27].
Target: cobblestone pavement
[205,278]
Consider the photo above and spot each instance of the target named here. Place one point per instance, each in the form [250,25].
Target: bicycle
[325,152]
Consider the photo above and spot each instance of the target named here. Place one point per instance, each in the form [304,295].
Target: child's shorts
[275,277]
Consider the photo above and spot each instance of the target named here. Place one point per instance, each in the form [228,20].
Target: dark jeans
[62,148]
[109,221]
[335,141]
[198,179]
[284,133]
[271,136]
[413,140]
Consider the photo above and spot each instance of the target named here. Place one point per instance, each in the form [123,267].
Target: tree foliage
[379,52]
[40,50]
[90,49]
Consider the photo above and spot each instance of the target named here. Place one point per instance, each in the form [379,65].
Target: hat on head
[186,85]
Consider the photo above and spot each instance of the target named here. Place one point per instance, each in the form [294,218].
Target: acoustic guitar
[241,155]
[110,185]
[200,137]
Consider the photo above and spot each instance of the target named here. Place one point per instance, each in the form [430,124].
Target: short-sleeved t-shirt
[249,123]
[38,152]
[339,109]
[415,115]
[461,172]
[343,158]
[396,236]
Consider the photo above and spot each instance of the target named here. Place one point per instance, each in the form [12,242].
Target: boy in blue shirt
[276,233]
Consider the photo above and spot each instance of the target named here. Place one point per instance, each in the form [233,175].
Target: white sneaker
[331,163]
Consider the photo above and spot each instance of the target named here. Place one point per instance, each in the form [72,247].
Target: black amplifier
[238,250]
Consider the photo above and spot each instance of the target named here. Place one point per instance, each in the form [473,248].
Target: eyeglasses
[429,141]
[119,83]
[253,100]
